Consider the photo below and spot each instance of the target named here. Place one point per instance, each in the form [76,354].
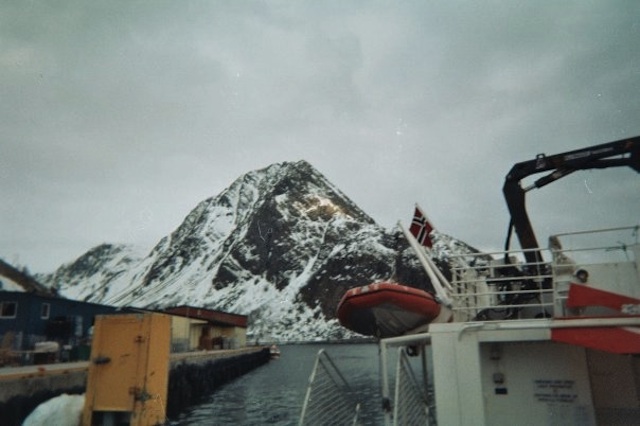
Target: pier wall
[192,379]
[192,376]
[21,393]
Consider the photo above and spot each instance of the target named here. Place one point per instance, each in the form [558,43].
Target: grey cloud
[115,112]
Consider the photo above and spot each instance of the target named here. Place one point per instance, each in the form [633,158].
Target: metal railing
[500,288]
[411,406]
[412,402]
[329,399]
[502,285]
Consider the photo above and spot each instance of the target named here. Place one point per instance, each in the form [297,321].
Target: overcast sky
[118,117]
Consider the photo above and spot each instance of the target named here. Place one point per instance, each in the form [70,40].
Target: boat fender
[386,405]
[582,275]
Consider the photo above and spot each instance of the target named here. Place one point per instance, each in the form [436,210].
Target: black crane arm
[625,152]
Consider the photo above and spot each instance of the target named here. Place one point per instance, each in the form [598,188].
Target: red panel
[609,339]
[581,295]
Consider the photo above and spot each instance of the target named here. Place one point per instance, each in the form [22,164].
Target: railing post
[386,400]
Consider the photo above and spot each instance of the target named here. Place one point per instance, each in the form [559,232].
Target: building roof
[209,315]
[24,280]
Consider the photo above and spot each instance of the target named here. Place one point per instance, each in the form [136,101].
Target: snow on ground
[63,410]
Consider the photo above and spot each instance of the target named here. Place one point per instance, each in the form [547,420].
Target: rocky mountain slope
[281,245]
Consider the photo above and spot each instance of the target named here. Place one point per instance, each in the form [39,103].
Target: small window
[44,311]
[8,309]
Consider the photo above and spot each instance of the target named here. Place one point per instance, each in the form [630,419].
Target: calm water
[274,393]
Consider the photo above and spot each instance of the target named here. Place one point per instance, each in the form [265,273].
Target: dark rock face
[358,264]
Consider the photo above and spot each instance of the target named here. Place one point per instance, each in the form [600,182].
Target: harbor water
[274,393]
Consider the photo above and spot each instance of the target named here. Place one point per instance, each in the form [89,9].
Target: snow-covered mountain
[280,244]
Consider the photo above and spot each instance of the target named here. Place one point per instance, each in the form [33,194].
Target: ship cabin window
[44,311]
[8,309]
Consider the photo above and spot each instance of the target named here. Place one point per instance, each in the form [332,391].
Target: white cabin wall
[544,384]
[615,383]
[456,376]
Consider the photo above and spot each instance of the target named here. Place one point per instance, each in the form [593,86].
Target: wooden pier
[192,376]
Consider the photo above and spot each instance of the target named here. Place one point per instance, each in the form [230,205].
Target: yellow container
[128,371]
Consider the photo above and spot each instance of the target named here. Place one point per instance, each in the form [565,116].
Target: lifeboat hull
[386,309]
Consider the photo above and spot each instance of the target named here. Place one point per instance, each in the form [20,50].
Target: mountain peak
[281,244]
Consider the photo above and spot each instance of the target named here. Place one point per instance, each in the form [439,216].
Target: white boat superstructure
[546,364]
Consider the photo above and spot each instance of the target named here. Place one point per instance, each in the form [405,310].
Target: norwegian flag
[421,228]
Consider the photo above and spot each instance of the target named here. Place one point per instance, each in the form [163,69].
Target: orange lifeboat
[386,309]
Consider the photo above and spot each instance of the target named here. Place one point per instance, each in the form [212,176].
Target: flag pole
[429,267]
[442,278]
